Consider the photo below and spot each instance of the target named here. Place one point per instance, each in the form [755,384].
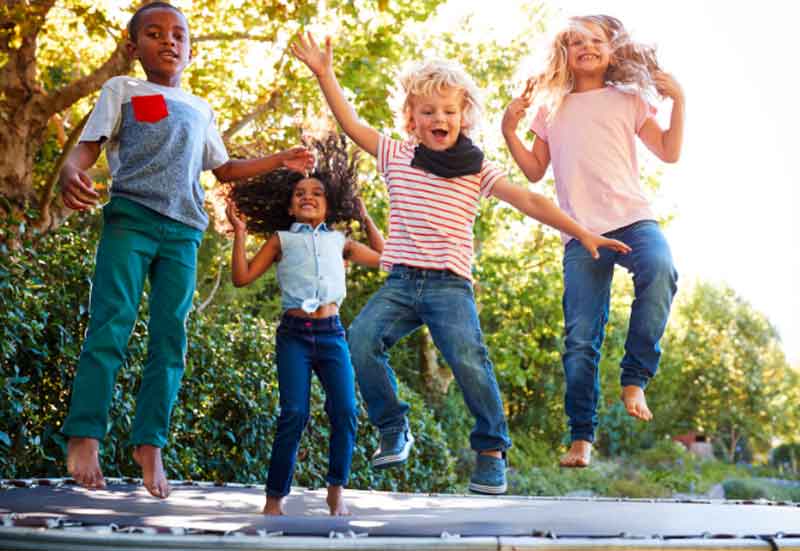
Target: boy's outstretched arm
[666,144]
[243,271]
[321,64]
[77,189]
[545,211]
[298,159]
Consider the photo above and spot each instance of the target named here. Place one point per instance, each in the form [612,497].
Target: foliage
[225,418]
[749,489]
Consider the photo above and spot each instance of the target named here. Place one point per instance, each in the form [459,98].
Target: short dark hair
[135,22]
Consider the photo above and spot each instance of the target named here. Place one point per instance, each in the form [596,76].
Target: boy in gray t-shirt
[158,138]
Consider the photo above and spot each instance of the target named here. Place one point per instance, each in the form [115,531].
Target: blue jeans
[302,346]
[445,303]
[587,291]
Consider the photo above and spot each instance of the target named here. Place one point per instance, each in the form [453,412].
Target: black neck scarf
[460,160]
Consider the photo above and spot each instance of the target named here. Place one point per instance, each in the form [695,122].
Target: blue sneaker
[489,476]
[393,450]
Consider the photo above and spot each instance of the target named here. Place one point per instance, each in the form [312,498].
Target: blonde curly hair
[632,63]
[433,76]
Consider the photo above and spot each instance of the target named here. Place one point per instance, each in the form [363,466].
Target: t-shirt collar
[300,227]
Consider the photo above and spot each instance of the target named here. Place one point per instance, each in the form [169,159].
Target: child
[435,182]
[158,139]
[309,255]
[592,110]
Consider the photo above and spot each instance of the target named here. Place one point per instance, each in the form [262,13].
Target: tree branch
[118,63]
[222,37]
[47,196]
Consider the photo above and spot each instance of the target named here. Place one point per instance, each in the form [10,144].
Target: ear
[130,48]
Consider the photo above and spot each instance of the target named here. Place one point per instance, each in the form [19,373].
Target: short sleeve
[214,153]
[644,111]
[387,150]
[103,122]
[539,123]
[490,174]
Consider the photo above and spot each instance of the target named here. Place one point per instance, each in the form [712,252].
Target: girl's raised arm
[243,271]
[666,144]
[533,163]
[321,64]
[360,253]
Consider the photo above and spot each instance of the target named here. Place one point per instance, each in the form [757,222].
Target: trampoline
[57,514]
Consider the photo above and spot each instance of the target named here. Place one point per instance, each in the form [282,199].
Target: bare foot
[274,506]
[336,502]
[83,462]
[578,456]
[155,479]
[635,403]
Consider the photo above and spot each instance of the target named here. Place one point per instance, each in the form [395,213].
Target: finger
[593,252]
[87,185]
[328,47]
[311,42]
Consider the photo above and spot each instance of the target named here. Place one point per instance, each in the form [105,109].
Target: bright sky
[733,193]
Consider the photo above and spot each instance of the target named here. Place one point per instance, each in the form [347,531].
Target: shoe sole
[476,488]
[388,461]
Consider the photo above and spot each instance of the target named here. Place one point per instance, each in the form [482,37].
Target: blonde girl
[591,108]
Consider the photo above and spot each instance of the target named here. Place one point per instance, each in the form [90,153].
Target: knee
[362,340]
[660,270]
[292,420]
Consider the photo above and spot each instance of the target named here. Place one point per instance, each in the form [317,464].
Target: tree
[55,54]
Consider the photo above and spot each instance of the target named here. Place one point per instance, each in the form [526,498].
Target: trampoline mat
[204,508]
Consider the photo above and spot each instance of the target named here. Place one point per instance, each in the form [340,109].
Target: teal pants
[136,243]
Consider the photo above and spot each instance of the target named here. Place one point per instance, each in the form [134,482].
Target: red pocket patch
[149,108]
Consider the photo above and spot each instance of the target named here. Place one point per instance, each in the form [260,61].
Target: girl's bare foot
[336,502]
[274,506]
[83,462]
[155,479]
[635,403]
[578,456]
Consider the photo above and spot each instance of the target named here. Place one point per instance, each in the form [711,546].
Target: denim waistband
[411,272]
[310,325]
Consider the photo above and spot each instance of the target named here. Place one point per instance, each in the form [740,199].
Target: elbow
[534,177]
[671,158]
[238,281]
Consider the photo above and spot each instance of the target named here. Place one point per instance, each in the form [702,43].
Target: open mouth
[169,56]
[439,133]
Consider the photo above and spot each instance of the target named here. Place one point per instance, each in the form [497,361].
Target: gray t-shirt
[159,139]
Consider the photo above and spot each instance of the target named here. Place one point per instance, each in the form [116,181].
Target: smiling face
[436,119]
[308,204]
[161,45]
[588,51]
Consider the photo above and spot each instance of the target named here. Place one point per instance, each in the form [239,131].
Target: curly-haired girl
[591,108]
[297,212]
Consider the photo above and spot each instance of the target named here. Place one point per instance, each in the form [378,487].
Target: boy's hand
[77,190]
[592,242]
[516,109]
[299,159]
[309,53]
[667,86]
[238,224]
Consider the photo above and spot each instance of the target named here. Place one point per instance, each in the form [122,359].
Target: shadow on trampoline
[35,512]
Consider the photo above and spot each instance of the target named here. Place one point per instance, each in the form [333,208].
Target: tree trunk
[26,109]
[436,378]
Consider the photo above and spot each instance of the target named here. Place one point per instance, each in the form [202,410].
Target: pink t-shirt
[430,218]
[592,142]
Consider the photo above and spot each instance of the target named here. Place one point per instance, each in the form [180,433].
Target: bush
[224,420]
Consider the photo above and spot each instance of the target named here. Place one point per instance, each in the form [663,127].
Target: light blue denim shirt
[311,269]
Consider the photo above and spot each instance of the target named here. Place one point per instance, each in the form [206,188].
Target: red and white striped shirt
[430,218]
